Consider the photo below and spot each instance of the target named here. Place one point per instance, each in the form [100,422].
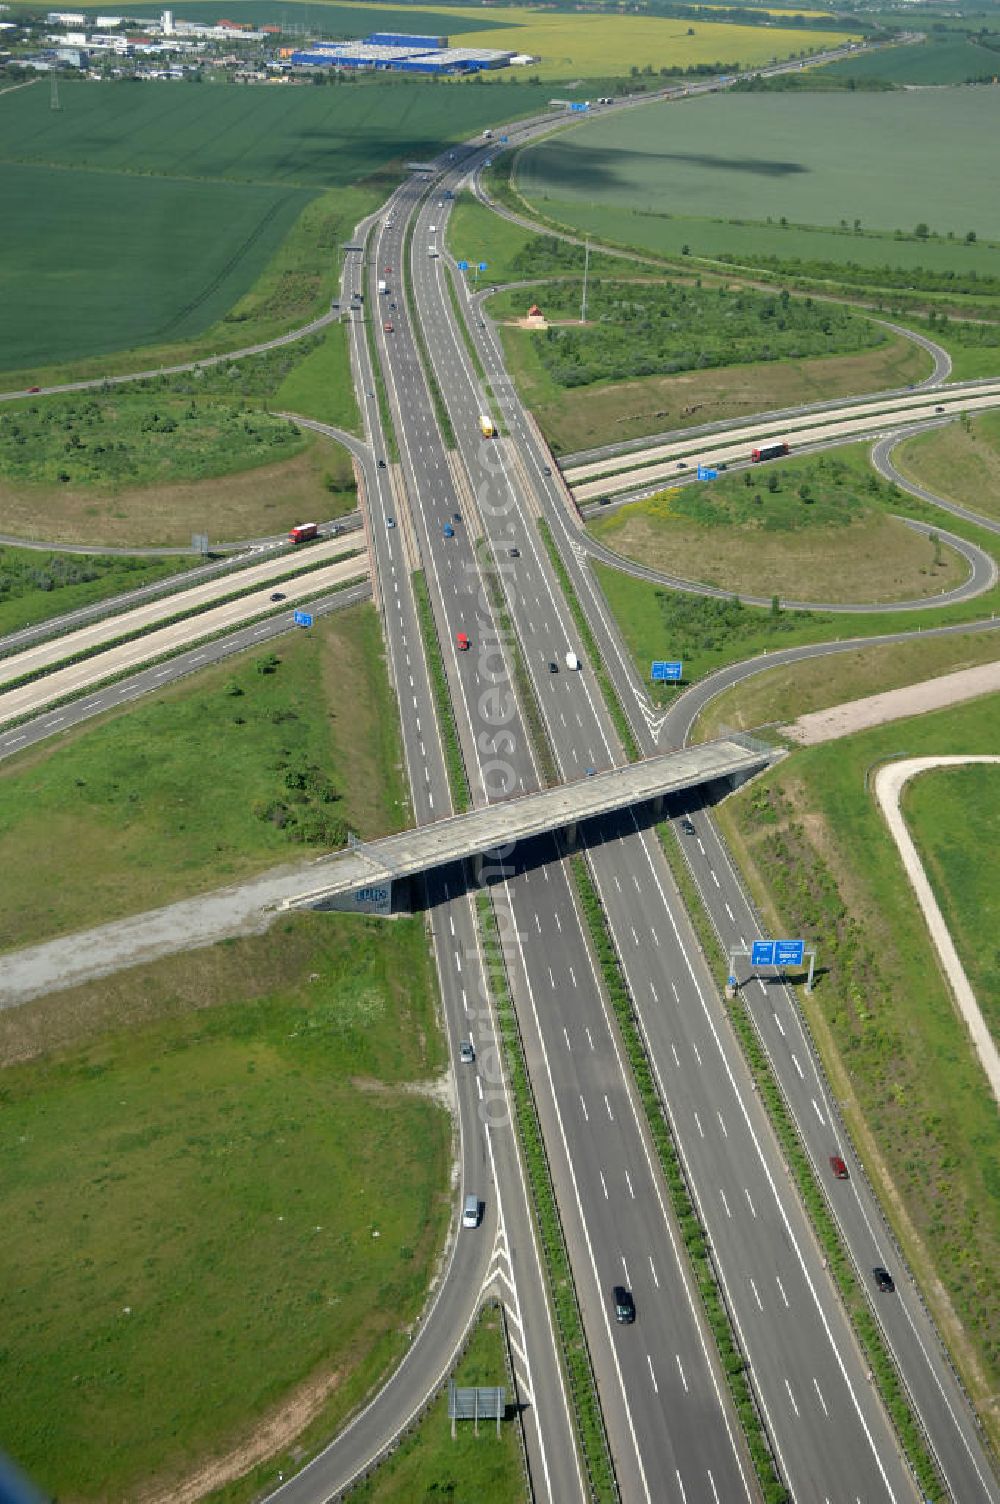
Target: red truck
[768,452]
[303,531]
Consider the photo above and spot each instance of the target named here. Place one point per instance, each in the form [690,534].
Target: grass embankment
[458,778]
[960,462]
[587,1416]
[974,347]
[35,585]
[954,817]
[146,466]
[610,413]
[430,1465]
[815,1202]
[689,1225]
[210,1158]
[590,645]
[781,694]
[660,328]
[130,811]
[821,528]
[821,863]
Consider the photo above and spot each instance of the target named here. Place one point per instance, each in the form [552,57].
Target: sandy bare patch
[895,705]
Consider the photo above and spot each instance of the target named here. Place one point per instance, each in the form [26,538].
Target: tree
[970,237]
[921,231]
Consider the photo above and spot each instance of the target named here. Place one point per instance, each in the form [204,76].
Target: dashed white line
[781,1290]
[604,1185]
[583,1105]
[749,1202]
[652,1375]
[652,1270]
[791,1397]
[608,1106]
[819,1395]
[725,1202]
[680,1370]
[628,1182]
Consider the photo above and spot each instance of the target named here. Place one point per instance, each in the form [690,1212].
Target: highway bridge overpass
[363,875]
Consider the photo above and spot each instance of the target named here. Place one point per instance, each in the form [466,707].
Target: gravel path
[895,704]
[889,783]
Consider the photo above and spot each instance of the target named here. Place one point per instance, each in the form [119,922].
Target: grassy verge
[691,1230]
[321,386]
[207,1158]
[458,778]
[429,1464]
[604,680]
[953,817]
[433,386]
[960,462]
[817,1207]
[119,815]
[36,586]
[562,1292]
[528,699]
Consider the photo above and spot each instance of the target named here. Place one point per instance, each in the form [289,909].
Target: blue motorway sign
[504,140]
[578,105]
[483,265]
[705,472]
[303,619]
[463,266]
[762,953]
[664,671]
[789,952]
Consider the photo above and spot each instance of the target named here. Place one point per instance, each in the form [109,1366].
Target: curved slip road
[882,460]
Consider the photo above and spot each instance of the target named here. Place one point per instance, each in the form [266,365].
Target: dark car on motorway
[687,825]
[277,595]
[883,1279]
[838,1167]
[624,1305]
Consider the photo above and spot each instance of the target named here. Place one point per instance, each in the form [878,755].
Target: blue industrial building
[401,54]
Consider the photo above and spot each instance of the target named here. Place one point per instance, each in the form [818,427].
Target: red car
[34,389]
[387,327]
[462,641]
[838,1167]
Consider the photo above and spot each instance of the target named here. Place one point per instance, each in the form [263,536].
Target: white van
[572,662]
[470,1216]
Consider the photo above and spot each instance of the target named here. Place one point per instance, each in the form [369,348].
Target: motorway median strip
[458,778]
[437,396]
[605,682]
[117,676]
[690,1226]
[588,1418]
[381,394]
[530,707]
[882,1365]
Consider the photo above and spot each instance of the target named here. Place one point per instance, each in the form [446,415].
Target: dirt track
[895,704]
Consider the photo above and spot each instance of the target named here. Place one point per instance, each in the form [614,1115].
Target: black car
[514,553]
[381,464]
[624,1305]
[553,667]
[456,516]
[546,469]
[277,596]
[687,825]
[883,1279]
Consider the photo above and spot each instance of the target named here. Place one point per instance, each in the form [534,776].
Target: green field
[960,462]
[224,1203]
[823,864]
[806,158]
[953,815]
[175,199]
[35,585]
[794,689]
[120,816]
[945,58]
[469,1470]
[813,529]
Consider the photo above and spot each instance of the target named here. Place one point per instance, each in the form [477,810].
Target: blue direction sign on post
[504,140]
[303,619]
[463,266]
[789,952]
[664,671]
[762,953]
[578,105]
[705,472]
[483,265]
